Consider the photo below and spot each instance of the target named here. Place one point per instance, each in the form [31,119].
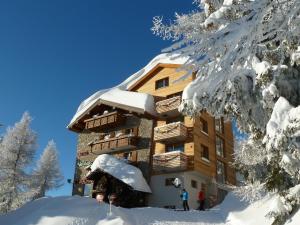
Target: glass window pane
[204,152]
[220,172]
[219,146]
[219,125]
[172,148]
[204,125]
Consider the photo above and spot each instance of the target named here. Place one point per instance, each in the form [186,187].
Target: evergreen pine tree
[17,151]
[47,175]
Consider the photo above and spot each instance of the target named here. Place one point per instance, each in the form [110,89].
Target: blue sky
[54,54]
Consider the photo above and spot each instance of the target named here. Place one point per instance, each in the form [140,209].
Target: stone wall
[143,150]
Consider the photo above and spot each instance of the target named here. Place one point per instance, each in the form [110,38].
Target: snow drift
[85,211]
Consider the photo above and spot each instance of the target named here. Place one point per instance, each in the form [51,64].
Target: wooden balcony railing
[104,121]
[171,162]
[172,132]
[168,107]
[116,144]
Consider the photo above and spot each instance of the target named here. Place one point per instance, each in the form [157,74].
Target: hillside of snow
[86,211]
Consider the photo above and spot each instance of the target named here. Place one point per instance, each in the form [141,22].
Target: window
[221,172]
[220,146]
[219,125]
[176,119]
[204,153]
[127,155]
[175,95]
[204,125]
[176,147]
[162,83]
[88,190]
[194,184]
[169,181]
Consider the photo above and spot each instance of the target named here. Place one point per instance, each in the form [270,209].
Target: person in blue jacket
[185,198]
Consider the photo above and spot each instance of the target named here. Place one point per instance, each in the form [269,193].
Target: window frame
[224,175]
[202,122]
[194,184]
[174,146]
[203,156]
[221,143]
[165,83]
[219,125]
[169,181]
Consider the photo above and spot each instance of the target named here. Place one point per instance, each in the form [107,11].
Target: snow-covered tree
[17,151]
[47,175]
[247,57]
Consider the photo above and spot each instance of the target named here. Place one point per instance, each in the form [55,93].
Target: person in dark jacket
[201,198]
[185,198]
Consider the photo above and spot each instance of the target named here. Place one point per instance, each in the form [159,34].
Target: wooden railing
[172,132]
[104,121]
[116,144]
[171,162]
[168,106]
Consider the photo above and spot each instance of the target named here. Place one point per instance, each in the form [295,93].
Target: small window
[175,119]
[162,83]
[177,147]
[175,95]
[127,155]
[220,146]
[169,181]
[194,184]
[219,125]
[221,176]
[204,152]
[204,125]
[87,190]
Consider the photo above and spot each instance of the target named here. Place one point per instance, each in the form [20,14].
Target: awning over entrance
[122,171]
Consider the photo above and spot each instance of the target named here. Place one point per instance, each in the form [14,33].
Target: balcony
[168,107]
[104,121]
[171,162]
[117,144]
[170,133]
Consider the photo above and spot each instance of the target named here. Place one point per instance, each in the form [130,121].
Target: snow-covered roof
[129,174]
[120,96]
[166,58]
[116,97]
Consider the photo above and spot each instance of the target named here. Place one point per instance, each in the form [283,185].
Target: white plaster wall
[164,195]
[169,195]
[193,192]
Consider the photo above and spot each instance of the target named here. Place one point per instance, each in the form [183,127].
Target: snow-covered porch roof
[122,171]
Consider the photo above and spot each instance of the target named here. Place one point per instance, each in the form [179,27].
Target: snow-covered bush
[246,55]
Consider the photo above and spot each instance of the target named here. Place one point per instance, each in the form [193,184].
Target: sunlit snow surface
[86,211]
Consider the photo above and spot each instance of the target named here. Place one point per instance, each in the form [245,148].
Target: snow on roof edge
[125,172]
[164,58]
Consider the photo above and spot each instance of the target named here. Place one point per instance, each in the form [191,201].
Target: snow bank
[130,175]
[137,100]
[85,211]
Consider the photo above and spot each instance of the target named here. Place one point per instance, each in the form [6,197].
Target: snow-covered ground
[86,211]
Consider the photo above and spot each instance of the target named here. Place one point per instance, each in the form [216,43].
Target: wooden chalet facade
[164,146]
